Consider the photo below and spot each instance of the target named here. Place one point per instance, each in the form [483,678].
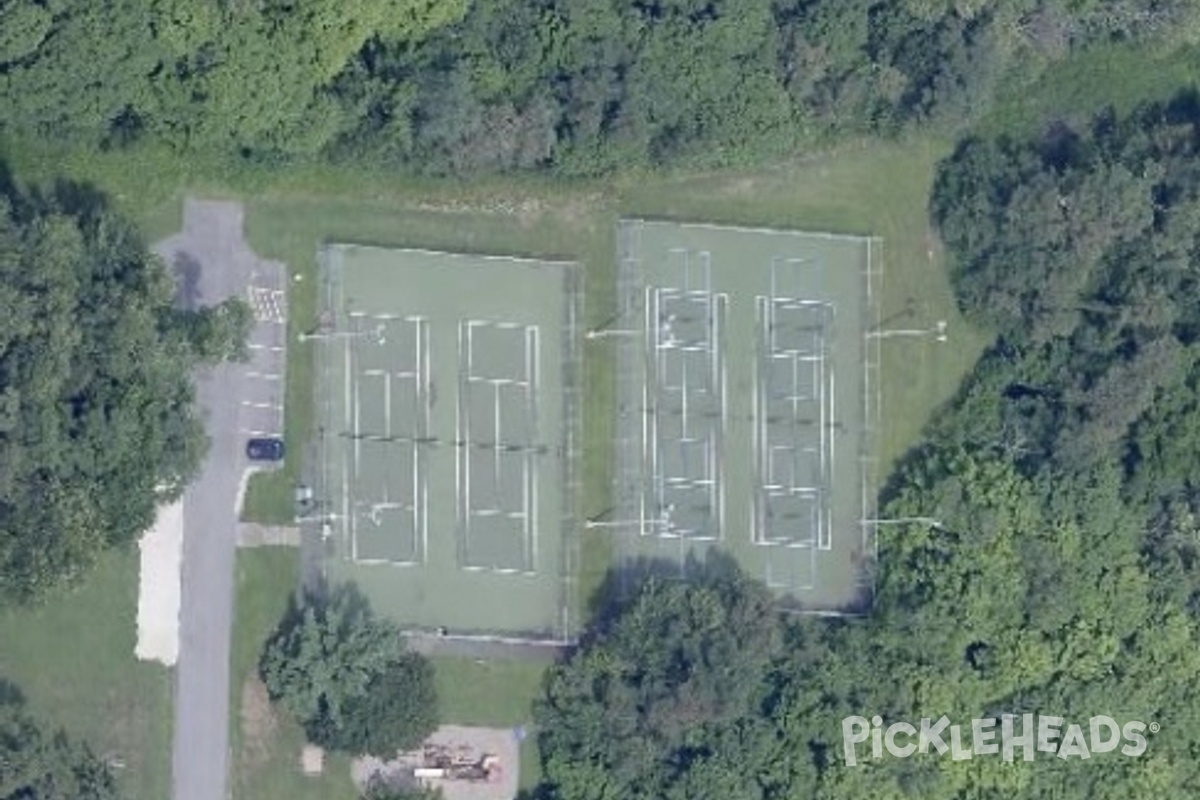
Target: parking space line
[271,348]
[268,304]
[252,404]
[265,376]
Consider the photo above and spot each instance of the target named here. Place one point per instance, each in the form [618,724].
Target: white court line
[533,513]
[868,272]
[458,457]
[858,239]
[832,457]
[416,504]
[272,406]
[533,374]
[455,256]
[387,404]
[352,533]
[650,346]
[759,417]
[423,499]
[496,435]
[466,450]
[426,371]
[356,429]
[824,421]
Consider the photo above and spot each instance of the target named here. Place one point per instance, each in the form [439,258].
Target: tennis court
[748,404]
[449,408]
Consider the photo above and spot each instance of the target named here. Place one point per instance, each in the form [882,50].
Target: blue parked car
[264,449]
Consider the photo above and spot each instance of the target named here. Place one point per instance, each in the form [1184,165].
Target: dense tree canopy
[97,422]
[662,703]
[1063,576]
[228,76]
[346,677]
[578,85]
[36,765]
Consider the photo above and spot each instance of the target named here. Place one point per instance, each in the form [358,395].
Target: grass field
[266,743]
[72,659]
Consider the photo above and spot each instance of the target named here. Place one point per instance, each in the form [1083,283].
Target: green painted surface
[747,428]
[447,436]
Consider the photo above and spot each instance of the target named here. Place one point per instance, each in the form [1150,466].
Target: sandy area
[159,587]
[472,744]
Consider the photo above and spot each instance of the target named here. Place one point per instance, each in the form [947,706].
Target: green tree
[652,705]
[345,676]
[396,711]
[97,416]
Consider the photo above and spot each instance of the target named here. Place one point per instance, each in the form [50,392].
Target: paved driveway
[212,262]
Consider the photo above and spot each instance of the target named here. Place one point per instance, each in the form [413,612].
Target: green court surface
[449,416]
[748,380]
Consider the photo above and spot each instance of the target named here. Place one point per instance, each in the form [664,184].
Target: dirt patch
[485,762]
[258,722]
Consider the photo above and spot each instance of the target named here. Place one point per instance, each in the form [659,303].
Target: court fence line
[331,438]
[327,268]
[870,456]
[628,495]
[572,400]
[629,478]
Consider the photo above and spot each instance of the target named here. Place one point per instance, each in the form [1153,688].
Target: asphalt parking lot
[212,262]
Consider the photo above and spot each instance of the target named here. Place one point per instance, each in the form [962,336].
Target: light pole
[604,334]
[938,332]
[664,520]
[380,334]
[930,521]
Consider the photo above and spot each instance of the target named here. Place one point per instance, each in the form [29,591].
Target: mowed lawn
[266,743]
[72,658]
